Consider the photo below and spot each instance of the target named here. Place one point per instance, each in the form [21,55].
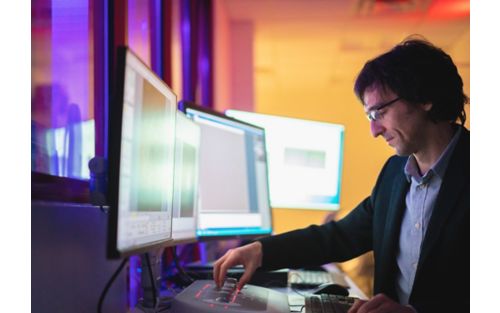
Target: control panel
[204,296]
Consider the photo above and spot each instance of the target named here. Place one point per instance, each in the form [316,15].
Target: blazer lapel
[392,230]
[454,181]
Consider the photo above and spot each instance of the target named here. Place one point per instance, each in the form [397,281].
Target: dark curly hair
[418,72]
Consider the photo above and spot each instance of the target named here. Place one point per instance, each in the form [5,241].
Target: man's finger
[355,307]
[375,302]
[226,264]
[246,277]
[216,273]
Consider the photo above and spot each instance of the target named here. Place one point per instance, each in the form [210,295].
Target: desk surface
[354,290]
[296,298]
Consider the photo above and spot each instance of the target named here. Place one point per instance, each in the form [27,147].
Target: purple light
[71,91]
[156,35]
[187,78]
[134,285]
[139,29]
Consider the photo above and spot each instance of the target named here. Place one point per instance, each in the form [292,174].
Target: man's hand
[250,256]
[379,304]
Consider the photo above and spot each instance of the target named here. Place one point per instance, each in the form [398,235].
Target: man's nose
[376,128]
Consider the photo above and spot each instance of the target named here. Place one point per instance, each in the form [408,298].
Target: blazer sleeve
[331,242]
[316,245]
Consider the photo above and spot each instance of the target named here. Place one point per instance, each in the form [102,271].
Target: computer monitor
[234,192]
[140,159]
[305,160]
[185,212]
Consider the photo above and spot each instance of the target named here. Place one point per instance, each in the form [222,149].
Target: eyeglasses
[374,113]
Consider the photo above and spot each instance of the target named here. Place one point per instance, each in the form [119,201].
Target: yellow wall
[298,78]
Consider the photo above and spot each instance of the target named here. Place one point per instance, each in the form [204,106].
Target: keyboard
[324,303]
[302,279]
[203,296]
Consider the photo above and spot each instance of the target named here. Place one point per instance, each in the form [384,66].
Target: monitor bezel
[184,106]
[115,117]
[174,242]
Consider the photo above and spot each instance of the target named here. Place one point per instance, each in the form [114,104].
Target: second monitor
[305,160]
[234,193]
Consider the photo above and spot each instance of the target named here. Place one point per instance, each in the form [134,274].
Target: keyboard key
[328,303]
[310,279]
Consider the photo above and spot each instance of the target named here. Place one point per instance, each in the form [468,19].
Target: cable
[108,285]
[298,292]
[294,288]
[179,268]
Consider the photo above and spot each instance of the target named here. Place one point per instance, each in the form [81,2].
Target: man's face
[401,124]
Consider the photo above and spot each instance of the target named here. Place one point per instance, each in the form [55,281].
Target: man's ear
[427,106]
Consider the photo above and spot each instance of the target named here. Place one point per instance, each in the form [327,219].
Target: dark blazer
[442,278]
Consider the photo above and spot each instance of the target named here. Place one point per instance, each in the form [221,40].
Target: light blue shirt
[420,201]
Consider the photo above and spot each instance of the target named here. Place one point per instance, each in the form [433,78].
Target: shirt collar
[438,168]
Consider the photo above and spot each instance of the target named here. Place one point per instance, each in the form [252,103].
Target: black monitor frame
[114,152]
[184,106]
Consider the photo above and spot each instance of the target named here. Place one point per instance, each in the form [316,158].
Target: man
[416,219]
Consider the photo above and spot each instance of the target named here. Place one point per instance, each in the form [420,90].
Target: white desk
[354,290]
[296,298]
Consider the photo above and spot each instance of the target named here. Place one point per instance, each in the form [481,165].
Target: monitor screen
[234,193]
[305,160]
[185,210]
[141,159]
